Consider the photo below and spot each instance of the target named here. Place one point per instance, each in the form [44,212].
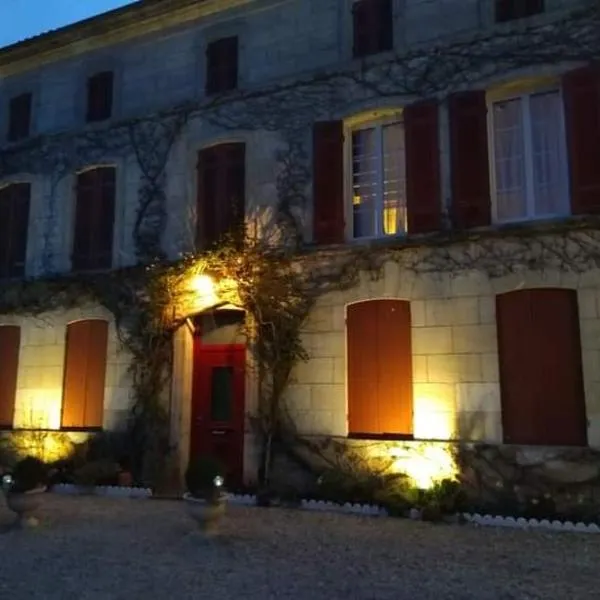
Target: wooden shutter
[509,10]
[423,195]
[94,219]
[221,201]
[581,91]
[222,65]
[100,96]
[85,374]
[328,182]
[380,388]
[14,225]
[10,342]
[471,204]
[19,117]
[541,379]
[373,27]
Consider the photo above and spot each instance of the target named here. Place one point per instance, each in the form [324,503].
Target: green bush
[29,474]
[200,476]
[97,472]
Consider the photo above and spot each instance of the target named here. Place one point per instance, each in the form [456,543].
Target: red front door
[218,406]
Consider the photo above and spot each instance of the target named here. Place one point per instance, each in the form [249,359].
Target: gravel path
[100,548]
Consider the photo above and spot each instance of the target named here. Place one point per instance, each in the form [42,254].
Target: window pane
[549,176]
[394,180]
[221,393]
[364,181]
[509,160]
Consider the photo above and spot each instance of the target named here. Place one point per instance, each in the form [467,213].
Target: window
[14,224]
[10,341]
[221,198]
[378,175]
[541,377]
[529,157]
[100,96]
[379,369]
[509,10]
[373,27]
[94,219]
[19,117]
[85,374]
[222,66]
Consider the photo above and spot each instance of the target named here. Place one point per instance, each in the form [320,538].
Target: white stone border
[112,491]
[356,509]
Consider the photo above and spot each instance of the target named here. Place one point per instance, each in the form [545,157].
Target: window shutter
[373,27]
[380,388]
[222,65]
[85,374]
[14,224]
[328,182]
[221,200]
[19,119]
[10,342]
[100,96]
[581,91]
[471,204]
[541,379]
[423,194]
[94,219]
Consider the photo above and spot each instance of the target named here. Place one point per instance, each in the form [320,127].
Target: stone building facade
[472,197]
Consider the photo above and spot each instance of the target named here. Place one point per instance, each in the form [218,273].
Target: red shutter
[221,199]
[541,379]
[328,182]
[94,219]
[222,65]
[19,117]
[85,374]
[471,204]
[581,90]
[373,27]
[423,195]
[14,225]
[100,96]
[380,389]
[10,341]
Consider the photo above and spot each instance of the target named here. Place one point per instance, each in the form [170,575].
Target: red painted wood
[373,27]
[85,374]
[423,191]
[10,342]
[19,117]
[14,226]
[379,368]
[222,65]
[100,96]
[224,440]
[328,182]
[581,93]
[541,378]
[471,203]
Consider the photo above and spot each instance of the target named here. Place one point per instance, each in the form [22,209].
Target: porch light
[203,285]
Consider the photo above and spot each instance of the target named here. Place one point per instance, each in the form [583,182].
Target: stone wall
[455,352]
[41,369]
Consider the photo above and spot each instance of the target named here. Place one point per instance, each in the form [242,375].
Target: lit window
[378,180]
[529,157]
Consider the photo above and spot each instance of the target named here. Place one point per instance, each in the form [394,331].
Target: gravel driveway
[100,548]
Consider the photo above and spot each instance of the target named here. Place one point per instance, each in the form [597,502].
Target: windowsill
[406,437]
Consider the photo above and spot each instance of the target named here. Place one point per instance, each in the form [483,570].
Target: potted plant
[24,488]
[205,498]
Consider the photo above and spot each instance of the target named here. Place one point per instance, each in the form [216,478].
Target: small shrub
[98,472]
[200,477]
[29,474]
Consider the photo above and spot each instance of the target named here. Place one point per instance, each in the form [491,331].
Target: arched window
[85,374]
[541,379]
[380,386]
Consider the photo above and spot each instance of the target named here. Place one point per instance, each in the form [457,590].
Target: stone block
[391,279]
[472,283]
[476,339]
[328,397]
[487,310]
[417,313]
[475,397]
[326,345]
[454,368]
[314,371]
[432,340]
[339,370]
[589,279]
[588,304]
[480,426]
[434,425]
[434,397]
[320,320]
[419,369]
[590,334]
[297,398]
[431,286]
[490,369]
[452,311]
